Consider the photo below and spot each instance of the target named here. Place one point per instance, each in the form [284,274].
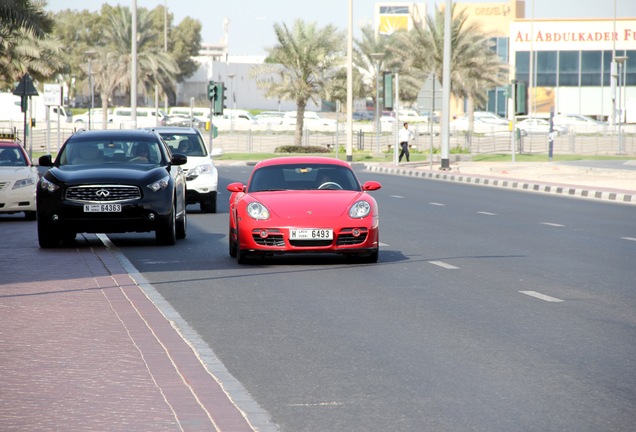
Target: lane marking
[487,213]
[396,196]
[541,296]
[437,204]
[318,404]
[384,244]
[629,238]
[552,224]
[443,265]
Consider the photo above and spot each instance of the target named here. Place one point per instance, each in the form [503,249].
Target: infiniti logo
[102,193]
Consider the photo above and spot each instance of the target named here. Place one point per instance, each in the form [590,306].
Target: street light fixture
[231,77]
[377,57]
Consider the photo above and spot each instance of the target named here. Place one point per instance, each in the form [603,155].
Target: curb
[622,197]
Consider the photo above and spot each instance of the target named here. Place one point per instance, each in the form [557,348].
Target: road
[489,310]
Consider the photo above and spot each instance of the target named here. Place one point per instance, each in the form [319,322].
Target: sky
[251,21]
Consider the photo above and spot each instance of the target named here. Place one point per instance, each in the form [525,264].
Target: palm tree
[475,67]
[300,66]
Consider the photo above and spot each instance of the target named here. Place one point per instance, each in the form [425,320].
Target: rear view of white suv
[201,174]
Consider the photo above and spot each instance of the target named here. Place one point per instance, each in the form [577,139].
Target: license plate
[102,208]
[311,234]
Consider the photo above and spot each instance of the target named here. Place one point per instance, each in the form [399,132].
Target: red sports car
[303,205]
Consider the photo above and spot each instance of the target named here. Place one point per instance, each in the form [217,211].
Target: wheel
[241,255]
[182,226]
[209,205]
[48,237]
[29,215]
[232,245]
[167,233]
[372,257]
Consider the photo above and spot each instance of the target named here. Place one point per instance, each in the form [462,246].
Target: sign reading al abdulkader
[573,35]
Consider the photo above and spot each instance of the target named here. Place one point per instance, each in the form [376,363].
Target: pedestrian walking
[404,137]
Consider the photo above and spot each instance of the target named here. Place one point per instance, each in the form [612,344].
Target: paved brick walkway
[83,349]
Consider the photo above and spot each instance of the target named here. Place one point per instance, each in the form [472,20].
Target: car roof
[289,160]
[113,134]
[171,129]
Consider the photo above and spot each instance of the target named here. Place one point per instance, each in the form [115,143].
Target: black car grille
[103,193]
[346,237]
[274,238]
[310,243]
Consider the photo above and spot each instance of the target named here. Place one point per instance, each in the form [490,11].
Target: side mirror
[179,159]
[45,161]
[371,186]
[236,187]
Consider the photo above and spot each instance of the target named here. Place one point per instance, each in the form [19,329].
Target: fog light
[264,234]
[151,216]
[355,232]
[55,218]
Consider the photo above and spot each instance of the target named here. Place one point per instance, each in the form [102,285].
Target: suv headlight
[159,184]
[360,209]
[257,211]
[48,186]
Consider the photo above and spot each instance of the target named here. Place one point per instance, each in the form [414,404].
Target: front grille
[274,238]
[310,243]
[103,193]
[346,237]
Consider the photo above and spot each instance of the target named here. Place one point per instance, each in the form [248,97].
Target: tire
[182,226]
[48,237]
[241,255]
[372,257]
[209,205]
[232,245]
[167,234]
[30,215]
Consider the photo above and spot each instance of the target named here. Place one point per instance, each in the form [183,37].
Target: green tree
[300,66]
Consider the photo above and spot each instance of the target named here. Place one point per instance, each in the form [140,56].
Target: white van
[10,111]
[199,113]
[146,117]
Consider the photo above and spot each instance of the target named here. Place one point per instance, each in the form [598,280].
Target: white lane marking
[629,238]
[383,244]
[437,204]
[334,403]
[541,296]
[552,224]
[487,213]
[443,265]
[396,196]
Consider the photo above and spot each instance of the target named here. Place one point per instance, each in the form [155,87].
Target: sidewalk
[586,180]
[84,348]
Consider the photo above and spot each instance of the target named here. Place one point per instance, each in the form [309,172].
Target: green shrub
[301,149]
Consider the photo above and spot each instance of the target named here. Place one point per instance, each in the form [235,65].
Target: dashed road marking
[541,296]
[487,213]
[396,196]
[552,224]
[383,244]
[437,204]
[443,265]
[629,238]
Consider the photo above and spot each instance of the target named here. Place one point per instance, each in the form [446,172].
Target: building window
[546,69]
[522,62]
[569,68]
[591,68]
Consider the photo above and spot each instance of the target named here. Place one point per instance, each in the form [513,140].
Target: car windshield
[303,177]
[96,152]
[11,156]
[188,144]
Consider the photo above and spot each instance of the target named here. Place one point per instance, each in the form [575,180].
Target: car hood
[79,174]
[322,203]
[16,173]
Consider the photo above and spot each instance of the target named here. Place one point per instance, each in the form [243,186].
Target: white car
[579,123]
[311,120]
[480,125]
[270,117]
[534,126]
[18,179]
[96,119]
[202,176]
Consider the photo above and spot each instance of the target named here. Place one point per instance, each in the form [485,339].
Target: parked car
[202,176]
[199,113]
[579,123]
[18,178]
[480,125]
[411,116]
[491,118]
[112,181]
[146,117]
[270,117]
[94,117]
[303,205]
[535,125]
[363,115]
[311,120]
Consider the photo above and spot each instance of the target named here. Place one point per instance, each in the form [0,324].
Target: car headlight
[257,211]
[24,183]
[159,184]
[199,170]
[359,209]
[48,186]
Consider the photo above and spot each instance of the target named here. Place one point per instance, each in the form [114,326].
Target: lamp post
[377,57]
[231,77]
[90,54]
[621,60]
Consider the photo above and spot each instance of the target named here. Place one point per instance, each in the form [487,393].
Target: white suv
[202,176]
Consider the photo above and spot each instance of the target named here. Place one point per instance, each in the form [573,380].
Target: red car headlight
[257,211]
[360,209]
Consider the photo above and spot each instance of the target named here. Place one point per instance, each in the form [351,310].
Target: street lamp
[622,66]
[231,77]
[377,57]
[90,54]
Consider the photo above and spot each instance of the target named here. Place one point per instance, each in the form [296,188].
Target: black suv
[112,181]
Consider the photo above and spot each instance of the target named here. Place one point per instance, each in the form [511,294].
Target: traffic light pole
[513,89]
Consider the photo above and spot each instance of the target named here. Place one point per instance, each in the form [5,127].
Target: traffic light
[219,101]
[211,90]
[387,90]
[521,98]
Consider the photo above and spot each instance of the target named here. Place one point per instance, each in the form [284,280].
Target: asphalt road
[489,310]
